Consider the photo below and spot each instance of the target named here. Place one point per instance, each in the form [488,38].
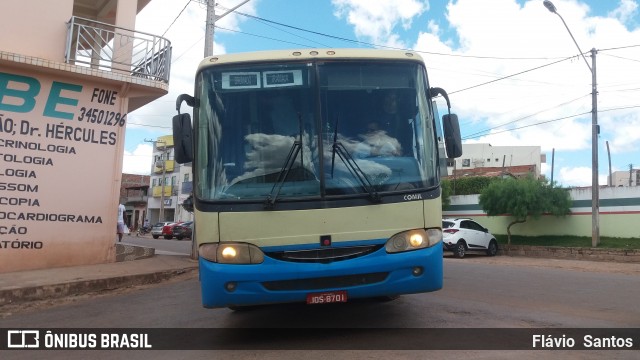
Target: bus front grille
[325,282]
[324,255]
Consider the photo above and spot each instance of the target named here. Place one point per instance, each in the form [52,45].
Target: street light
[595,206]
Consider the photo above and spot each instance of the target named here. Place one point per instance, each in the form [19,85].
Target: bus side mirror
[452,139]
[182,138]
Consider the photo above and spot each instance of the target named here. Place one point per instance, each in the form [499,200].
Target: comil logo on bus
[23,339]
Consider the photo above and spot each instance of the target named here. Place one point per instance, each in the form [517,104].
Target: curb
[54,291]
[571,253]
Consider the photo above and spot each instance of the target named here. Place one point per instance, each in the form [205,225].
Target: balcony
[157,190]
[136,199]
[111,48]
[170,164]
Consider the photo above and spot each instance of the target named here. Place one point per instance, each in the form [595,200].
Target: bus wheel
[460,250]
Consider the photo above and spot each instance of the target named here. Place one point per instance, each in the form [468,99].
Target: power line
[174,20]
[145,125]
[386,46]
[530,125]
[620,57]
[619,47]
[524,118]
[558,119]
[263,37]
[274,27]
[512,75]
[186,51]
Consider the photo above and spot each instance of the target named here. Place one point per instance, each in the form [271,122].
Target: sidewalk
[25,286]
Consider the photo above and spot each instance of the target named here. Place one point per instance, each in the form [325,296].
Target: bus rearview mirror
[452,139]
[182,138]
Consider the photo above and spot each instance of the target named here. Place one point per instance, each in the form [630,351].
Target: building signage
[60,161]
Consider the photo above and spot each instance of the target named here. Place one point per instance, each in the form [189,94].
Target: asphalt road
[162,246]
[479,292]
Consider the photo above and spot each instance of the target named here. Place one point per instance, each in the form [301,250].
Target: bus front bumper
[275,281]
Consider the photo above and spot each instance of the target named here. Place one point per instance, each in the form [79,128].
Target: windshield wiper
[296,148]
[352,166]
[282,175]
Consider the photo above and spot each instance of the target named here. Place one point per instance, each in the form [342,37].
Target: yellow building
[70,72]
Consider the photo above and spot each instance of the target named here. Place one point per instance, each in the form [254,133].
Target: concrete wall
[41,22]
[619,215]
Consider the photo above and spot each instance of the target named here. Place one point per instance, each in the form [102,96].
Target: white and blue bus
[316,175]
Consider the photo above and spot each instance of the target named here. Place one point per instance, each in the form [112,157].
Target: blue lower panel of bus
[277,281]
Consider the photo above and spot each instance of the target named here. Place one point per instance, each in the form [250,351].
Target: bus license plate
[327,297]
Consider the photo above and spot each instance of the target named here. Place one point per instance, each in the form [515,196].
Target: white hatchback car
[463,235]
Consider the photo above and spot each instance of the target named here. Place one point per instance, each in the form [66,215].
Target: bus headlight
[231,253]
[413,240]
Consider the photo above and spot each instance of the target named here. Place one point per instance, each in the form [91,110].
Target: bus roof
[308,54]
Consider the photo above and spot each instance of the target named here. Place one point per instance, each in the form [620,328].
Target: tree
[446,193]
[467,185]
[524,198]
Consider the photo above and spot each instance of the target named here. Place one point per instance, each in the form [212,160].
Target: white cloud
[376,20]
[138,161]
[578,176]
[625,11]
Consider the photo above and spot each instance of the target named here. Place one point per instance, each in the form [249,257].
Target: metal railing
[111,48]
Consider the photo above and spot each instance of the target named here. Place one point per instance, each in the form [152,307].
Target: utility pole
[211,24]
[610,182]
[209,28]
[553,157]
[164,174]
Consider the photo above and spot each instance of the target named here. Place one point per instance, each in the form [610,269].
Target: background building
[134,190]
[625,178]
[70,72]
[172,178]
[488,160]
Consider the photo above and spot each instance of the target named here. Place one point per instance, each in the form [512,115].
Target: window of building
[186,177]
[466,162]
[451,162]
[153,182]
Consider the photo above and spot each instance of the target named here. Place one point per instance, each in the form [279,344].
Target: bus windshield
[314,130]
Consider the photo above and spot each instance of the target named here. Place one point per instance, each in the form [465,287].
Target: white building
[476,156]
[171,178]
[624,178]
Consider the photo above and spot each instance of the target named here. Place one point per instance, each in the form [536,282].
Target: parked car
[156,230]
[167,230]
[183,230]
[463,235]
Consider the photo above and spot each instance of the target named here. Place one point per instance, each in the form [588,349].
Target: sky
[513,73]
